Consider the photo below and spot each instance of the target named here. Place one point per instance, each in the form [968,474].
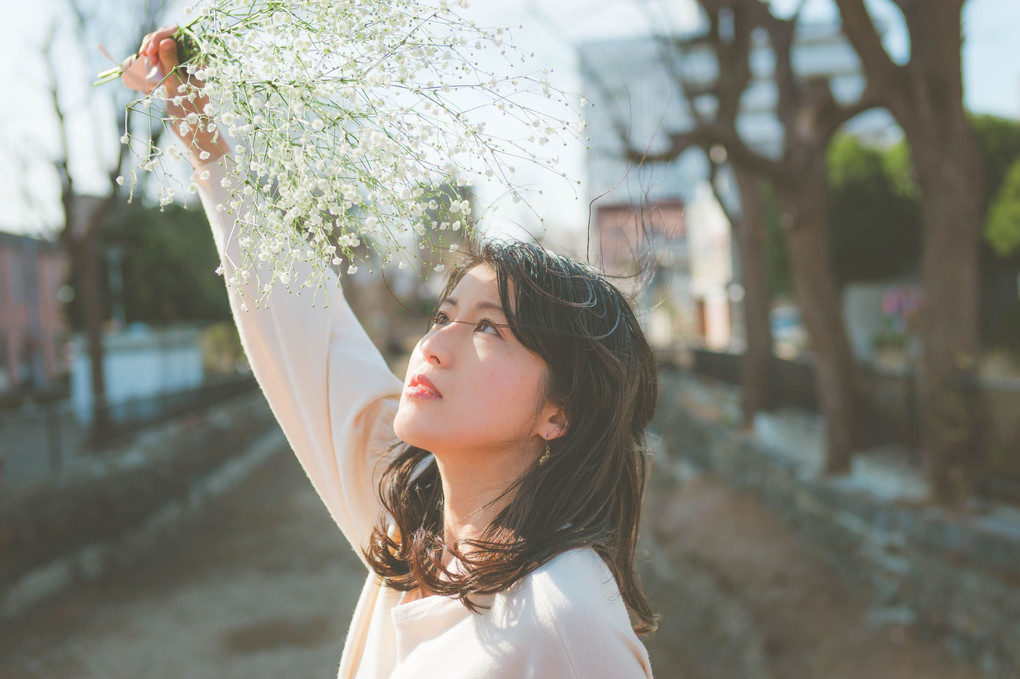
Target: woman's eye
[486,325]
[440,318]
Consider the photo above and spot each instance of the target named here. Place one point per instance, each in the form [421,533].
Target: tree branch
[713,178]
[841,115]
[705,137]
[62,161]
[879,68]
[781,35]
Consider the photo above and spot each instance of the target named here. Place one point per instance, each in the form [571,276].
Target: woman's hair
[601,371]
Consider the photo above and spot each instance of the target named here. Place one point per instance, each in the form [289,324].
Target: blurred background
[815,205]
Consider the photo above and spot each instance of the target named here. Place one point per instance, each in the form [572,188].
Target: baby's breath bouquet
[349,125]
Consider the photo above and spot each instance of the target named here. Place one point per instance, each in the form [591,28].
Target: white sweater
[335,399]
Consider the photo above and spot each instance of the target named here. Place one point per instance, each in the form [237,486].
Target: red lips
[422,386]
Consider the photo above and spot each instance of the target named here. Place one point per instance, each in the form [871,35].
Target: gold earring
[545,456]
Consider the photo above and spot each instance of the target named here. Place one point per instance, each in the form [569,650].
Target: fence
[48,441]
[892,410]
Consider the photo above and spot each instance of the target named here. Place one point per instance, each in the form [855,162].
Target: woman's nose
[435,346]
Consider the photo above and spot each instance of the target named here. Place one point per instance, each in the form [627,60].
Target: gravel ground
[744,598]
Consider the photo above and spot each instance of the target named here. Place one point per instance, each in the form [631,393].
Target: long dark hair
[601,371]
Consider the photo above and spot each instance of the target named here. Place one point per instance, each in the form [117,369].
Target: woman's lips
[421,387]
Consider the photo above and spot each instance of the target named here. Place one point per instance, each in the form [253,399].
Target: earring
[545,456]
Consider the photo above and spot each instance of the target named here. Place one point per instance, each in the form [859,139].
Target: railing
[46,441]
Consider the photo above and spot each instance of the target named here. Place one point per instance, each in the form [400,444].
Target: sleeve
[325,381]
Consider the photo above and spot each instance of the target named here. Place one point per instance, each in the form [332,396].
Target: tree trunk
[83,254]
[950,176]
[805,211]
[750,231]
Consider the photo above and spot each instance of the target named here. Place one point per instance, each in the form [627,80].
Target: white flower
[341,125]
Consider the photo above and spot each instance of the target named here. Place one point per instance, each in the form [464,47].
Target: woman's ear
[554,423]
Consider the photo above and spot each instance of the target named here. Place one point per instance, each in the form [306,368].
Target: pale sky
[28,188]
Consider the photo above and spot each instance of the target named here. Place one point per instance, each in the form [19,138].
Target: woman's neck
[476,487]
[470,504]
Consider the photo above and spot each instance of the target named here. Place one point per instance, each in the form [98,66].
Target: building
[644,250]
[33,330]
[633,86]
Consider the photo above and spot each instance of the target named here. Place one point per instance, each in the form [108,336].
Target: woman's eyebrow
[492,306]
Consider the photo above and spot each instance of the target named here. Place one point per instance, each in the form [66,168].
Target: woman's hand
[188,119]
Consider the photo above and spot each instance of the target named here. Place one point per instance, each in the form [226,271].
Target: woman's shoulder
[577,567]
[578,581]
[571,612]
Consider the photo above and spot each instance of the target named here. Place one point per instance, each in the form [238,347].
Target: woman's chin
[409,429]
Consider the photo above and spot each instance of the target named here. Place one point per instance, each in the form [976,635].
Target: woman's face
[470,385]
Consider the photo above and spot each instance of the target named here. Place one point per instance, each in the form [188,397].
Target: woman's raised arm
[325,381]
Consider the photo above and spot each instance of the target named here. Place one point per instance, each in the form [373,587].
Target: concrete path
[264,587]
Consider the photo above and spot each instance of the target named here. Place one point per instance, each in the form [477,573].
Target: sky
[29,194]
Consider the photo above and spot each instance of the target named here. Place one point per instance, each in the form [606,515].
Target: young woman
[494,495]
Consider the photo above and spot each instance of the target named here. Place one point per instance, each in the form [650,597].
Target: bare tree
[810,116]
[925,95]
[85,215]
[747,219]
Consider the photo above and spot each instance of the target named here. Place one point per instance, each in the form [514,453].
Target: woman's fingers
[146,50]
[158,38]
[150,44]
[168,64]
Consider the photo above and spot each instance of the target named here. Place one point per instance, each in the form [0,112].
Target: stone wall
[956,576]
[78,528]
[892,409]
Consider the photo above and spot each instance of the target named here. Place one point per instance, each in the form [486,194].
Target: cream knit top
[335,399]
